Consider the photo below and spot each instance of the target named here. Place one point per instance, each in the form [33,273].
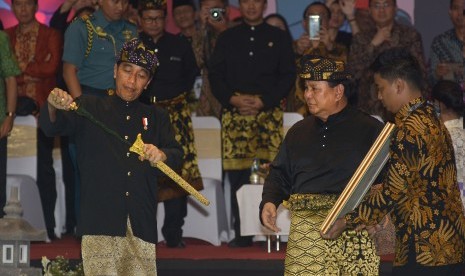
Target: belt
[246,94]
[315,202]
[173,101]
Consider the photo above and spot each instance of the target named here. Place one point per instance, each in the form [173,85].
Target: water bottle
[254,176]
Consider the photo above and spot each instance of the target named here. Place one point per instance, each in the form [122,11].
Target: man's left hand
[152,154]
[336,230]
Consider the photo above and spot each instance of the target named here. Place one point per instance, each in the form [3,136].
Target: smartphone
[314,23]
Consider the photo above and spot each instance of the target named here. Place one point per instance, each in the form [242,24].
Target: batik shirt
[446,48]
[363,54]
[420,190]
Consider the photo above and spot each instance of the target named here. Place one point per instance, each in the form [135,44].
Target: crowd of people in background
[242,71]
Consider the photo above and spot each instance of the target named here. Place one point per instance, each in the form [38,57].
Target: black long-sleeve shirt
[256,60]
[115,184]
[177,67]
[319,157]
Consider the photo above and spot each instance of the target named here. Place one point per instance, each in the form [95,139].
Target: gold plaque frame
[362,179]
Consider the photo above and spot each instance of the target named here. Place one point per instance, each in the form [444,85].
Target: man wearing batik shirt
[367,45]
[420,188]
[447,50]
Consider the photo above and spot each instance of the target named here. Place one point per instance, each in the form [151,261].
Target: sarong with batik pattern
[180,117]
[111,256]
[247,137]
[308,254]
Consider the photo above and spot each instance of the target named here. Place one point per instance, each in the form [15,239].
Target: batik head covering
[134,51]
[152,5]
[318,68]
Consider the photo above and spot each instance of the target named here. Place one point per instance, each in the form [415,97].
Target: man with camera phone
[251,70]
[214,15]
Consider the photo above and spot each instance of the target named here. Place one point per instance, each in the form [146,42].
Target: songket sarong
[111,256]
[180,117]
[247,137]
[308,254]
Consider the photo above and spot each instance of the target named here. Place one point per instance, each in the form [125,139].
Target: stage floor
[198,258]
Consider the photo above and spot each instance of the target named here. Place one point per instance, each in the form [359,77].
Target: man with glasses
[367,45]
[169,89]
[325,45]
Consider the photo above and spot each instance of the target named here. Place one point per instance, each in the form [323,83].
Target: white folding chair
[289,119]
[22,147]
[208,223]
[22,168]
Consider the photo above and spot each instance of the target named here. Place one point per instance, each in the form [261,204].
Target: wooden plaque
[362,179]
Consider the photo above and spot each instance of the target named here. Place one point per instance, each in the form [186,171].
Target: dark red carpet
[199,258]
[69,248]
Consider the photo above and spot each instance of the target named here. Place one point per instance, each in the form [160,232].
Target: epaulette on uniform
[86,18]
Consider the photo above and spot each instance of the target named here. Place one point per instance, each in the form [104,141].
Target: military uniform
[91,44]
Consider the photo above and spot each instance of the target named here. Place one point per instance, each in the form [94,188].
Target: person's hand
[207,21]
[442,69]
[382,35]
[152,154]
[336,230]
[60,99]
[218,26]
[302,44]
[6,126]
[269,216]
[325,38]
[329,3]
[348,8]
[256,104]
[246,104]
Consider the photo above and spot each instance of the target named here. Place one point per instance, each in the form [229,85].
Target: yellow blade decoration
[138,147]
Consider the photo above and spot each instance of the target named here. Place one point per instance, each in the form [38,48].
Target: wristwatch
[10,114]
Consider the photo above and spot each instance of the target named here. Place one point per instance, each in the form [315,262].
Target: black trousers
[46,177]
[68,179]
[175,212]
[237,178]
[3,158]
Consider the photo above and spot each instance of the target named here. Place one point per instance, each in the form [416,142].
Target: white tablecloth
[249,198]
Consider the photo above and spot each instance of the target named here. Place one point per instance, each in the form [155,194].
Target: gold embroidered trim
[312,202]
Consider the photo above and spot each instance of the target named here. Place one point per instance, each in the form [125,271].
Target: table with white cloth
[249,197]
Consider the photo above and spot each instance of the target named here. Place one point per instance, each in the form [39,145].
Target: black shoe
[180,244]
[51,234]
[240,242]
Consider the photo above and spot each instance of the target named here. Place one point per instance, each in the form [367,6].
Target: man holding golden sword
[118,195]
